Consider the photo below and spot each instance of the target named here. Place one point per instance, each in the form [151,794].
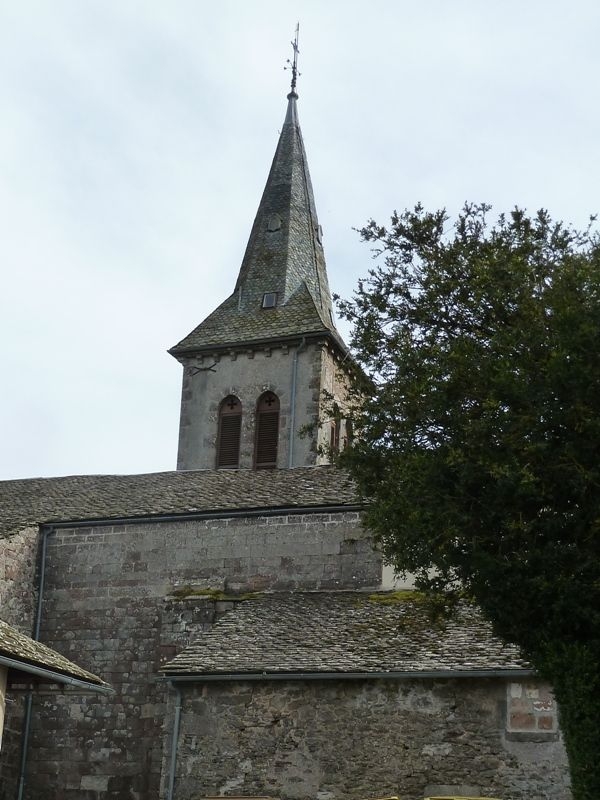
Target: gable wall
[108,607]
[347,740]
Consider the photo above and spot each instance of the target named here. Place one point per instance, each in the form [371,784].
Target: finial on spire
[293,65]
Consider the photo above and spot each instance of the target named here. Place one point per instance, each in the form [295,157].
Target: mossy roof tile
[317,632]
[35,501]
[229,325]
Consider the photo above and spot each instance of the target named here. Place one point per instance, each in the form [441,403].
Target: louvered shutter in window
[230,428]
[267,431]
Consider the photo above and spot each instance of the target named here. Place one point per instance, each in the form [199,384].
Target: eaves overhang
[187,516]
[51,676]
[504,672]
[247,344]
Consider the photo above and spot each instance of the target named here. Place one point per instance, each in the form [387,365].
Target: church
[253,639]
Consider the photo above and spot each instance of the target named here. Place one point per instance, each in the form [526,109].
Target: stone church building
[247,627]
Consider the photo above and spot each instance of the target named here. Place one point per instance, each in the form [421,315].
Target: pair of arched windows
[266,432]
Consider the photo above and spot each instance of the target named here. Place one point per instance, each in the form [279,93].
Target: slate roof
[87,497]
[228,326]
[28,652]
[284,255]
[343,632]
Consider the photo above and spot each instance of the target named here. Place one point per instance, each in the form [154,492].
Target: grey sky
[135,139]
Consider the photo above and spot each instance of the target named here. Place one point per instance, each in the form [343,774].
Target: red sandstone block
[545,723]
[522,721]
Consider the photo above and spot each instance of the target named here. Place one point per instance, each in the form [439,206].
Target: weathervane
[293,65]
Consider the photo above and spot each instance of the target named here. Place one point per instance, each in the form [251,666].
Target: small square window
[269,300]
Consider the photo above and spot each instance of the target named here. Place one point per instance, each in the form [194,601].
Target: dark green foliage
[478,432]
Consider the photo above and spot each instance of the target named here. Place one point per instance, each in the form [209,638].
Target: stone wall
[346,740]
[208,379]
[109,607]
[334,381]
[18,555]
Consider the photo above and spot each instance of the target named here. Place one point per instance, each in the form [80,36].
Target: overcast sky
[135,140]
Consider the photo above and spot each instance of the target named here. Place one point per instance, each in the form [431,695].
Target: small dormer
[269,300]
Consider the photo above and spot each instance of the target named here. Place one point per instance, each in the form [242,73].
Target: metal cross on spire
[293,65]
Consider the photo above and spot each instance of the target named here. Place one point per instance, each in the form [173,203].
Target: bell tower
[254,371]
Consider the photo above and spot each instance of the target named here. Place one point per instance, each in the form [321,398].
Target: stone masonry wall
[347,740]
[108,606]
[18,554]
[17,607]
[334,381]
[207,380]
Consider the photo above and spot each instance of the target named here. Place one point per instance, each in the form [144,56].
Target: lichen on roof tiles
[35,501]
[345,632]
[228,325]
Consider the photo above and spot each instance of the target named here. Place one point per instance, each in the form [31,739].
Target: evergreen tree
[478,433]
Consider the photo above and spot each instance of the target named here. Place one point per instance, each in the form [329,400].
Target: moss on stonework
[398,598]
[185,592]
[433,608]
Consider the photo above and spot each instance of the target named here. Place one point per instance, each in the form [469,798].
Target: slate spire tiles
[285,249]
[284,256]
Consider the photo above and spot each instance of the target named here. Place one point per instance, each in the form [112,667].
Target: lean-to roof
[352,632]
[29,653]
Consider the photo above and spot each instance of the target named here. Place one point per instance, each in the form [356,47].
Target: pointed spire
[285,246]
[284,256]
